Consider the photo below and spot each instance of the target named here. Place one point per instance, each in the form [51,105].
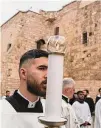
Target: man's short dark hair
[79,92]
[34,53]
[87,91]
[7,91]
[99,89]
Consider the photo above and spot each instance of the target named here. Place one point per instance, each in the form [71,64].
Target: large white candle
[55,78]
[54,87]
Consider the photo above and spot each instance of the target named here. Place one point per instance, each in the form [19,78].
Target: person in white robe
[82,111]
[98,114]
[7,94]
[67,110]
[22,109]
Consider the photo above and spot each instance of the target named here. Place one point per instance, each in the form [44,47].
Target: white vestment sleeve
[69,114]
[98,114]
[12,119]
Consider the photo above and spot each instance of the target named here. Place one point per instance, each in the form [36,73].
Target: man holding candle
[33,79]
[67,111]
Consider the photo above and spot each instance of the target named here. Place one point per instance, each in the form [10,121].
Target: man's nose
[46,73]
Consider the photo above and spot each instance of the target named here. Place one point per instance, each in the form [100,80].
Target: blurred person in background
[98,96]
[82,111]
[67,111]
[89,100]
[7,94]
[72,100]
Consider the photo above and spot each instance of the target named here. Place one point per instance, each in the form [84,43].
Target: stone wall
[82,60]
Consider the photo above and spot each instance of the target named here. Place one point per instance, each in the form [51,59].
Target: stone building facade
[79,23]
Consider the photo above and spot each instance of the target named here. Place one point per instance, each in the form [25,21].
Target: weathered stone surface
[82,61]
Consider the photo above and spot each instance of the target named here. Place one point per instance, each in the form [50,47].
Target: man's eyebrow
[43,66]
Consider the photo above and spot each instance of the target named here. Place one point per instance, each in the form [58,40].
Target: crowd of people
[87,113]
[77,107]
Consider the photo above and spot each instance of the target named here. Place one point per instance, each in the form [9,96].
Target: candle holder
[52,124]
[56,48]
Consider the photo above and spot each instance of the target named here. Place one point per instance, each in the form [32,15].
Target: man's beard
[81,100]
[35,88]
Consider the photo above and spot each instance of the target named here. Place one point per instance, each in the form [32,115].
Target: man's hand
[85,124]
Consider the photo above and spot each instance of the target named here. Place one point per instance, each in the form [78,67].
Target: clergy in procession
[33,79]
[22,109]
[82,111]
[68,112]
[98,96]
[98,114]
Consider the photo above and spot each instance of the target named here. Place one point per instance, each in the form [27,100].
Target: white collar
[31,104]
[88,95]
[66,97]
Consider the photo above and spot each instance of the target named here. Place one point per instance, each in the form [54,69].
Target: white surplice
[82,112]
[98,114]
[12,119]
[69,114]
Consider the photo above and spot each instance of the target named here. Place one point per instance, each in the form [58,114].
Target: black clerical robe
[21,105]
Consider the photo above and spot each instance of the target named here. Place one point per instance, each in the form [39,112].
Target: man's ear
[23,73]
